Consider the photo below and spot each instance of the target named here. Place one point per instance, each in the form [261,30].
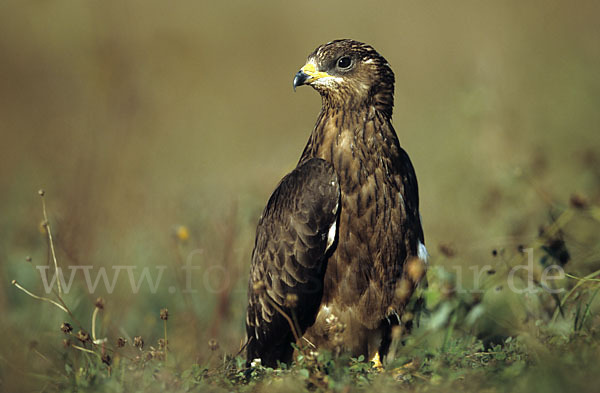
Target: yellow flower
[182,233]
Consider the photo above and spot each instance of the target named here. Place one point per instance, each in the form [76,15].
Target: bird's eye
[344,62]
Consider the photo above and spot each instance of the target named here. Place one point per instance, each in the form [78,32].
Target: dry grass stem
[42,193]
[45,299]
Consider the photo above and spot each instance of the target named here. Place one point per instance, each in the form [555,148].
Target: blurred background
[159,129]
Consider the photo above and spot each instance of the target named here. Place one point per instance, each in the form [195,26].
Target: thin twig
[49,232]
[94,314]
[587,309]
[580,281]
[86,350]
[280,311]
[45,299]
[584,278]
[166,351]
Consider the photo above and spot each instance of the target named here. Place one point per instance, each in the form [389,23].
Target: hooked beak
[308,74]
[300,79]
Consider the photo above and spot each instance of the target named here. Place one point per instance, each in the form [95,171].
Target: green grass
[145,119]
[477,337]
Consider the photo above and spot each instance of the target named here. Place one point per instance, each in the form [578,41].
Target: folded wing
[295,235]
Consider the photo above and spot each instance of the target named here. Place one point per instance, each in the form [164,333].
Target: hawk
[339,247]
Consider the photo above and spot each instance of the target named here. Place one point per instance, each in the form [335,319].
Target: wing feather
[290,257]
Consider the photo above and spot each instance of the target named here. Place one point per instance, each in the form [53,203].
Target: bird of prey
[339,247]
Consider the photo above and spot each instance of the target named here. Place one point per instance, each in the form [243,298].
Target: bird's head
[349,74]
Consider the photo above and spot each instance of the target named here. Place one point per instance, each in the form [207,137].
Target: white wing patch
[333,227]
[331,235]
[422,252]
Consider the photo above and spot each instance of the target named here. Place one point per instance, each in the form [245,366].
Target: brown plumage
[336,236]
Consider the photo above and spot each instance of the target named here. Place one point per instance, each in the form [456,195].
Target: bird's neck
[380,97]
[383,99]
[346,135]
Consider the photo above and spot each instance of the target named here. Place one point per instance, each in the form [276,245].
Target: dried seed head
[83,336]
[558,249]
[99,303]
[291,300]
[28,258]
[447,249]
[106,359]
[213,344]
[159,355]
[259,286]
[66,327]
[41,192]
[415,269]
[138,342]
[578,201]
[404,290]
[164,314]
[121,342]
[407,317]
[161,344]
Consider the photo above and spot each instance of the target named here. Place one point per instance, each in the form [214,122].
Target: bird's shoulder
[308,194]
[295,229]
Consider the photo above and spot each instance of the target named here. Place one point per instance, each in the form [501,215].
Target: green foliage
[452,344]
[159,136]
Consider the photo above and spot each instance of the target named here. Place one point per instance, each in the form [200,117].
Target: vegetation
[464,338]
[158,132]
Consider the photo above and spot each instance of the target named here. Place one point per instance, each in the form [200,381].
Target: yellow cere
[309,69]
